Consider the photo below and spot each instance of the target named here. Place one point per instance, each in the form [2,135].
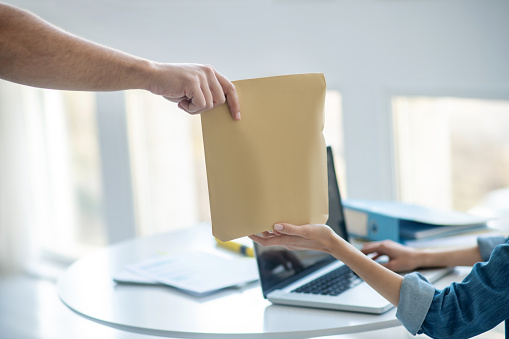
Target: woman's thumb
[286,229]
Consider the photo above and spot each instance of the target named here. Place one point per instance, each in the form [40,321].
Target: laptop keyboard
[332,283]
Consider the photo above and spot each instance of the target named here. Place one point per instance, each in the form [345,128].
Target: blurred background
[417,110]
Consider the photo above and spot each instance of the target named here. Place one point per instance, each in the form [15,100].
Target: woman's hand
[323,238]
[401,258]
[305,237]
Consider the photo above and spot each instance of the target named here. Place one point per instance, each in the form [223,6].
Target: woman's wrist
[452,257]
[335,246]
[434,258]
[425,258]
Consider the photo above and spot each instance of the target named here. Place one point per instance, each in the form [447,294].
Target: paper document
[455,241]
[198,273]
[128,277]
[271,166]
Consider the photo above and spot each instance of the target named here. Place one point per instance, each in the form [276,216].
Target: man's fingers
[184,105]
[231,95]
[202,100]
[209,98]
[177,100]
[196,100]
[218,95]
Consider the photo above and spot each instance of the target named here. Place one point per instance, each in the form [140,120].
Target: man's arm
[36,53]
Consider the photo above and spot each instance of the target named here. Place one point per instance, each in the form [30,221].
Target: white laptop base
[361,298]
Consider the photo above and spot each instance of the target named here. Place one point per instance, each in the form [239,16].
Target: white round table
[87,288]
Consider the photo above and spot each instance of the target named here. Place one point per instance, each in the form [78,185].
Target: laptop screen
[278,266]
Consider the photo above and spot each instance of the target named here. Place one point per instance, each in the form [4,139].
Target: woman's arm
[36,53]
[384,281]
[461,310]
[322,238]
[475,305]
[403,258]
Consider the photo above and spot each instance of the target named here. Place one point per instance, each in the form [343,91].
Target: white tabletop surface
[88,289]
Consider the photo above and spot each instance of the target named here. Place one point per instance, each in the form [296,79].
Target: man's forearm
[456,257]
[35,53]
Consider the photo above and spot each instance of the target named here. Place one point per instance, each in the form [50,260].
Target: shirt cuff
[415,299]
[487,244]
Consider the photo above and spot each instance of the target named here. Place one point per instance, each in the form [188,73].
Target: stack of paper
[196,273]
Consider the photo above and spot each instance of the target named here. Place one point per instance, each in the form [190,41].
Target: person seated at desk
[36,53]
[461,310]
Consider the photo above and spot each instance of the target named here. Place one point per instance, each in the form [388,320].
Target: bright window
[334,136]
[65,172]
[453,153]
[167,164]
[63,180]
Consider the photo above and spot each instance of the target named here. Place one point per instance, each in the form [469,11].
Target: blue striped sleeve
[487,244]
[464,309]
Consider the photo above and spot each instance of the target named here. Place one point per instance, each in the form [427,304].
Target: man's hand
[305,237]
[196,88]
[36,53]
[401,258]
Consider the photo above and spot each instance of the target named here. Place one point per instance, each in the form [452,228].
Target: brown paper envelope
[271,166]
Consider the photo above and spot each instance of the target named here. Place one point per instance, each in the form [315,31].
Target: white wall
[368,49]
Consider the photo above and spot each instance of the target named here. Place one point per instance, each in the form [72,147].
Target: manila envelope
[271,166]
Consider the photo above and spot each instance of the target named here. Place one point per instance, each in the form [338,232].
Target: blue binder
[384,219]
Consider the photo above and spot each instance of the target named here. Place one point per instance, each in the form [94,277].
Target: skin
[36,53]
[379,276]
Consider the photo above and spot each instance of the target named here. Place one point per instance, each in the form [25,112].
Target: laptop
[317,279]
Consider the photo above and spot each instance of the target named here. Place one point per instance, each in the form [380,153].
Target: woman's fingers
[370,247]
[289,229]
[281,240]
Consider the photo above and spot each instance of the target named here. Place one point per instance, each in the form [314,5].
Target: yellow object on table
[236,247]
